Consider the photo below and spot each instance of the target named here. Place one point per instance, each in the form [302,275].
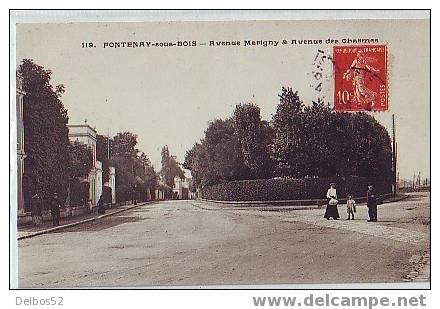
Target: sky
[167,95]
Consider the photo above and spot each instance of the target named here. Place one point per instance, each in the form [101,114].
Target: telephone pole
[394,161]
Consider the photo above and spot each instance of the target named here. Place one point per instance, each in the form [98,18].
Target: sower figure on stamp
[372,204]
[332,203]
[359,71]
[55,210]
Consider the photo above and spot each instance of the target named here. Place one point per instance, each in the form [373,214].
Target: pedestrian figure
[55,210]
[351,207]
[101,206]
[332,203]
[36,210]
[372,204]
[134,195]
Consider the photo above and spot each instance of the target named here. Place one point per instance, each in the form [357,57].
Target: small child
[351,207]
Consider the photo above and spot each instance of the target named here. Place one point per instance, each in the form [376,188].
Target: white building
[87,135]
[182,187]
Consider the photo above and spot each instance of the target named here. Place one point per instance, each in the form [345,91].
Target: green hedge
[290,189]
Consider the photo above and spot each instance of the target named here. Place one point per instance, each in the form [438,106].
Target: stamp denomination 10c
[360,78]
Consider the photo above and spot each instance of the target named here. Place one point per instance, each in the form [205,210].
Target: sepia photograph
[221,152]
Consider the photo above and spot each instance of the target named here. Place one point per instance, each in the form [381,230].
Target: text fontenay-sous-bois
[217,43]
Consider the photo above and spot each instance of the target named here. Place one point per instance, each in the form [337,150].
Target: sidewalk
[47,227]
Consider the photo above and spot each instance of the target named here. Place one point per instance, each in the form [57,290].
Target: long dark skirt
[331,212]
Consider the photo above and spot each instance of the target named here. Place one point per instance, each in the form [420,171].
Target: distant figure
[134,195]
[55,210]
[36,210]
[351,207]
[372,204]
[332,203]
[100,205]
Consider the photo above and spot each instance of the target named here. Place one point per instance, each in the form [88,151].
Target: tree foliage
[170,167]
[301,141]
[218,157]
[81,160]
[315,141]
[254,136]
[46,133]
[133,168]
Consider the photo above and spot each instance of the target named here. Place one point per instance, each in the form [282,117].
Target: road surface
[181,243]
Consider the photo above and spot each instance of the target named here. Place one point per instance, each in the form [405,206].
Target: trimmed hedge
[277,189]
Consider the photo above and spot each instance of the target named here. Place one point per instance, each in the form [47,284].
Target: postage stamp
[360,75]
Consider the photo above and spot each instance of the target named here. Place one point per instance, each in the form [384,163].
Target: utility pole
[394,163]
[108,144]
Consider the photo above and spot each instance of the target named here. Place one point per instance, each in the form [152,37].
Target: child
[351,207]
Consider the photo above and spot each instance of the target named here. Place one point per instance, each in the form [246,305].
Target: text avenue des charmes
[245,43]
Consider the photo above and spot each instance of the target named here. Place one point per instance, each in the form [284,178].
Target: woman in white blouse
[332,203]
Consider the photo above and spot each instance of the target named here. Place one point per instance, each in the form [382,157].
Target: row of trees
[135,175]
[300,141]
[56,165]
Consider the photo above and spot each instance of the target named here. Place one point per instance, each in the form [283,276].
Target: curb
[294,204]
[57,228]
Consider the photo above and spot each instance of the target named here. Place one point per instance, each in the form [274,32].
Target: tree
[303,140]
[288,123]
[218,157]
[80,165]
[46,133]
[80,160]
[255,139]
[170,167]
[124,160]
[124,144]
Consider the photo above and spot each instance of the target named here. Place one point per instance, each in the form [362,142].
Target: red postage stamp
[360,78]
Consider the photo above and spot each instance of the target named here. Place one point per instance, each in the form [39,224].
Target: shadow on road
[102,224]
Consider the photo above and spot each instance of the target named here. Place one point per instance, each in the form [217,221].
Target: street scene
[187,243]
[153,154]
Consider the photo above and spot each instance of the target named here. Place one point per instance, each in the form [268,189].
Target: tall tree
[218,157]
[288,124]
[46,133]
[254,138]
[170,167]
[124,157]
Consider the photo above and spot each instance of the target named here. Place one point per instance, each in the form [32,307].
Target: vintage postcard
[212,151]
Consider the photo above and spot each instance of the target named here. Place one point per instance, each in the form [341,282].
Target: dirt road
[180,243]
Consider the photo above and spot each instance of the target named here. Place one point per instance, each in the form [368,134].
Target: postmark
[360,76]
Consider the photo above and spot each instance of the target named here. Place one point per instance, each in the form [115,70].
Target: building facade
[87,135]
[182,188]
[20,142]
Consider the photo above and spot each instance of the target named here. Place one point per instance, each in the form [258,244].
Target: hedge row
[277,189]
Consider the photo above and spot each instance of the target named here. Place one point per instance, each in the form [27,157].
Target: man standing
[101,206]
[372,204]
[55,210]
[134,195]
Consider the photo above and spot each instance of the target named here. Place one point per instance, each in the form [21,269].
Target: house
[182,188]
